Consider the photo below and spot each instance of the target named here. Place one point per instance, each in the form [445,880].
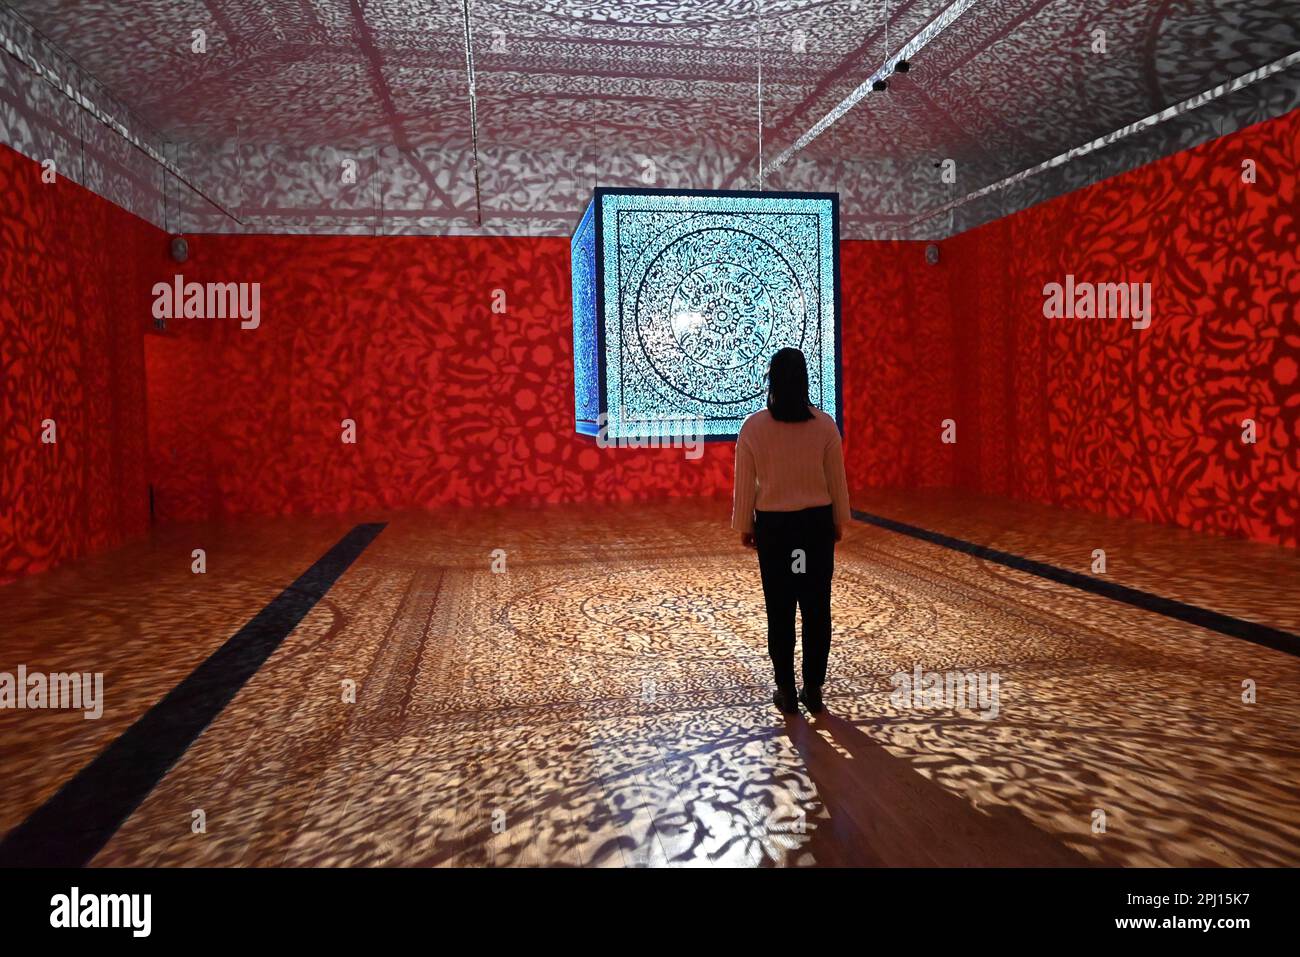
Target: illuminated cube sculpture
[680,298]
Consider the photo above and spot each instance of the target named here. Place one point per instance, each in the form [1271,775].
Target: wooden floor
[605,701]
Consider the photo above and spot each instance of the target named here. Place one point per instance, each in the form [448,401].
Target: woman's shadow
[883,812]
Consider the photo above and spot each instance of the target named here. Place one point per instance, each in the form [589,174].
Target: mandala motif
[674,609]
[710,303]
[699,290]
[624,614]
[721,315]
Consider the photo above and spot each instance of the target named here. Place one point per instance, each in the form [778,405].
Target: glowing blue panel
[680,300]
[586,365]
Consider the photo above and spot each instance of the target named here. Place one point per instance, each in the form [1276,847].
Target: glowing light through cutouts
[681,298]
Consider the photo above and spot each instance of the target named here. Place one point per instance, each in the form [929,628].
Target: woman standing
[791,502]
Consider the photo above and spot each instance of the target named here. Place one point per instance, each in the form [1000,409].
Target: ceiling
[656,90]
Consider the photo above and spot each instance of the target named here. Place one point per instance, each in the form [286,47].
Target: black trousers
[796,558]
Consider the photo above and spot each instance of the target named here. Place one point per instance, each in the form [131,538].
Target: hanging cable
[11,42]
[881,84]
[759,7]
[473,111]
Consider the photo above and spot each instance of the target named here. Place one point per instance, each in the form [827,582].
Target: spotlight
[880,86]
[902,66]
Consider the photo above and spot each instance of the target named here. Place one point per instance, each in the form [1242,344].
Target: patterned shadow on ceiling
[581,93]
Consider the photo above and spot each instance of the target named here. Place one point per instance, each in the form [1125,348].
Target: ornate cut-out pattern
[698,292]
[458,405]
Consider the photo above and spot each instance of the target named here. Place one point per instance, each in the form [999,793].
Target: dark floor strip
[73,826]
[1250,631]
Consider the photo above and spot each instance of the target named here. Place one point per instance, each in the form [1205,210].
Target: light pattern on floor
[604,702]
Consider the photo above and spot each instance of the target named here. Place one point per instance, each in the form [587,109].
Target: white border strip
[73,93]
[909,49]
[1168,113]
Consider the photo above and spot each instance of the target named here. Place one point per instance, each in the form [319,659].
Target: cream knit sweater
[787,466]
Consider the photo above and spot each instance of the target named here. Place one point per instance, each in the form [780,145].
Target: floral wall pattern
[454,404]
[73,270]
[1142,423]
[457,405]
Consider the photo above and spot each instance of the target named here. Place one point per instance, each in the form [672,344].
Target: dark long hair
[787,387]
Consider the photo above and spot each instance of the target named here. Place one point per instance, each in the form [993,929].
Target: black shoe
[811,698]
[784,698]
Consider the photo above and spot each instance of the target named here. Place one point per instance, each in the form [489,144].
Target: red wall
[898,365]
[454,404]
[72,271]
[457,405]
[1092,414]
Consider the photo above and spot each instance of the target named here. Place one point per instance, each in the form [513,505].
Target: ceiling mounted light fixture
[909,49]
[881,84]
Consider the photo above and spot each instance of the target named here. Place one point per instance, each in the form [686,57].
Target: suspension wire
[473,110]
